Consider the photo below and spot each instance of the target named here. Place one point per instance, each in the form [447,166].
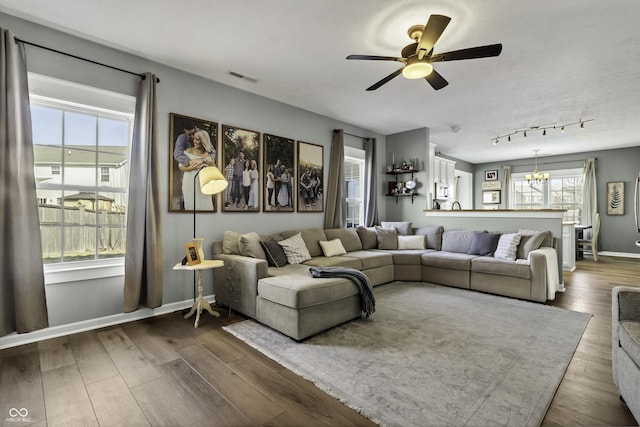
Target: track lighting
[562,127]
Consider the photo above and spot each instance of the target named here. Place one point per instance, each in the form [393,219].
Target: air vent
[242,76]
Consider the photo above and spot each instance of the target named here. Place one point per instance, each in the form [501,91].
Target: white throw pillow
[295,249]
[507,246]
[332,247]
[411,242]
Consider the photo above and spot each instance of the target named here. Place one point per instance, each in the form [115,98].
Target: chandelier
[536,177]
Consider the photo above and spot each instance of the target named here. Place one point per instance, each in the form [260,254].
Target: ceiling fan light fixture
[417,70]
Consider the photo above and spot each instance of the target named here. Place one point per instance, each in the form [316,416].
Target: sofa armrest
[538,266]
[236,284]
[625,305]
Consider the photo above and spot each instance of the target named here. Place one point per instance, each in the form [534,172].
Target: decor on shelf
[491,197]
[279,173]
[182,130]
[398,188]
[491,175]
[311,172]
[542,129]
[536,177]
[240,159]
[615,198]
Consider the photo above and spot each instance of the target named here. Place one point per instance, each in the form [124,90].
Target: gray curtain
[508,203]
[143,261]
[335,214]
[589,194]
[370,187]
[23,306]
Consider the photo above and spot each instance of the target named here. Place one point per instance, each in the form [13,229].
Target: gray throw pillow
[484,244]
[275,254]
[367,237]
[230,243]
[250,246]
[458,241]
[530,241]
[433,236]
[387,238]
[403,227]
[348,236]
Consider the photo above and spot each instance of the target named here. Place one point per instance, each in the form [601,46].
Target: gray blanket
[357,277]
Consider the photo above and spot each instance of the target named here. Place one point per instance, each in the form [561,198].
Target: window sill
[82,271]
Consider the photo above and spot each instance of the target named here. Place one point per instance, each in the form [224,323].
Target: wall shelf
[412,195]
[397,172]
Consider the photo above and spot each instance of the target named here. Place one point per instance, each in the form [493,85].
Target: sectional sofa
[260,283]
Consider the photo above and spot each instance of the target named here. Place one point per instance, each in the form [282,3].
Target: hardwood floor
[162,371]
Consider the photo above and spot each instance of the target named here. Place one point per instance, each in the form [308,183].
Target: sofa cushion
[332,247]
[230,243]
[387,238]
[274,252]
[372,259]
[433,236]
[367,237]
[483,243]
[407,256]
[250,246]
[507,246]
[448,260]
[457,241]
[630,339]
[295,249]
[411,242]
[403,227]
[530,241]
[491,265]
[348,236]
[334,261]
[299,291]
[311,237]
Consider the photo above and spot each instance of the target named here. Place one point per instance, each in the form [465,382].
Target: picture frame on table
[310,177]
[491,197]
[192,254]
[615,198]
[491,175]
[181,179]
[280,179]
[241,147]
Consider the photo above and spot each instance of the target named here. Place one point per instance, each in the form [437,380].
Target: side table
[200,303]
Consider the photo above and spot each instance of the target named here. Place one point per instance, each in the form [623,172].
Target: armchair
[625,317]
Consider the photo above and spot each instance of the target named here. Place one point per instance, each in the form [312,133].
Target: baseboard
[14,339]
[619,254]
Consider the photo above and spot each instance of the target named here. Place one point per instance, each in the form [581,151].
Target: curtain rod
[552,163]
[355,136]
[142,76]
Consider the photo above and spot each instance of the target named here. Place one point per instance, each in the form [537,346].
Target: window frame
[356,156]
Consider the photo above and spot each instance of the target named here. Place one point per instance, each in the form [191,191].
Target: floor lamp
[211,182]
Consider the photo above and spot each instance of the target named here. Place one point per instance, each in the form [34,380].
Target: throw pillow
[230,243]
[433,236]
[332,247]
[458,241]
[530,241]
[295,249]
[367,237]
[403,227]
[348,236]
[275,254]
[484,244]
[250,246]
[507,246]
[387,238]
[411,242]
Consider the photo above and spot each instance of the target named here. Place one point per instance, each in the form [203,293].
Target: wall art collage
[266,172]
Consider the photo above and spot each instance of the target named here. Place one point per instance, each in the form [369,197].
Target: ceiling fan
[417,57]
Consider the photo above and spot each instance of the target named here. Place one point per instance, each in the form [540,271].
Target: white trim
[489,213]
[67,272]
[619,254]
[14,339]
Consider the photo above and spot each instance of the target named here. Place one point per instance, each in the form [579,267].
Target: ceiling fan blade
[375,57]
[470,53]
[385,80]
[432,31]
[436,80]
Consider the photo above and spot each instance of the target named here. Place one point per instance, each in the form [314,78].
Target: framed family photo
[310,177]
[491,197]
[491,175]
[279,174]
[240,161]
[193,143]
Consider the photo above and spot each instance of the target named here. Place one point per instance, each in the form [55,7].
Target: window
[562,191]
[81,155]
[354,186]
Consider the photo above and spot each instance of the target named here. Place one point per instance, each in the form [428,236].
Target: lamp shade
[417,70]
[212,181]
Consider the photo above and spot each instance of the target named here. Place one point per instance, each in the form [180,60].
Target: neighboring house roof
[83,195]
[80,155]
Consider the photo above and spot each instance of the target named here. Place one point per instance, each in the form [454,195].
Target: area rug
[436,356]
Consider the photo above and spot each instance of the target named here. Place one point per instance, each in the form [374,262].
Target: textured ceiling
[562,61]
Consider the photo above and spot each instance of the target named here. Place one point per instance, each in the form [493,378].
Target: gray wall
[187,94]
[617,233]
